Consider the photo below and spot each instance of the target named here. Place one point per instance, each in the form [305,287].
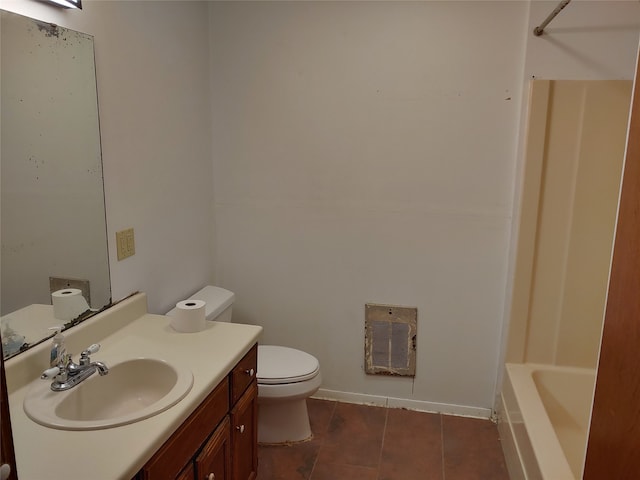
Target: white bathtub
[544,420]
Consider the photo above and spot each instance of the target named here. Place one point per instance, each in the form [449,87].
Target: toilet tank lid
[217,300]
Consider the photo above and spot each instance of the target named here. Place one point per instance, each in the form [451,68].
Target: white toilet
[286,378]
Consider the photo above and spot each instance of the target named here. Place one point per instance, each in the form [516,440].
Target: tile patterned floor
[359,442]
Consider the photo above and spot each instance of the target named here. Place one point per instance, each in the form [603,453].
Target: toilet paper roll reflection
[189,316]
[68,304]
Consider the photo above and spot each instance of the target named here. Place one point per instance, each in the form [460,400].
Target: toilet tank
[219,303]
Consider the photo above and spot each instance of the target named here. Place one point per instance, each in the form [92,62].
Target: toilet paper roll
[68,304]
[189,316]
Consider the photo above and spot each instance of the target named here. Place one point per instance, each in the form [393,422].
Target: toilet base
[283,422]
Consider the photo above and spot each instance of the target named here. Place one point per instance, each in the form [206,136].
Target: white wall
[153,90]
[365,152]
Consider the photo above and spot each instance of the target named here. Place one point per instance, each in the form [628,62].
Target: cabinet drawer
[243,373]
[179,449]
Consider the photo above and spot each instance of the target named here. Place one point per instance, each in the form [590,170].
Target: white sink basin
[132,391]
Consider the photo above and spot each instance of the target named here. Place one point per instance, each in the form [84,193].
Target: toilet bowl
[286,378]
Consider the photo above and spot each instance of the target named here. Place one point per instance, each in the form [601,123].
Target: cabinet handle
[240,428]
[251,372]
[211,476]
[5,471]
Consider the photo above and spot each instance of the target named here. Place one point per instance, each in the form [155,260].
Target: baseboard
[391,402]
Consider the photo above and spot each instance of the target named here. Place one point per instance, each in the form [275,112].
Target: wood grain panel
[614,438]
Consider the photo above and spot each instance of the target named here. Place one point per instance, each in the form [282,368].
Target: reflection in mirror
[53,227]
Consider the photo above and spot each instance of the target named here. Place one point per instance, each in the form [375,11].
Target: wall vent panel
[390,340]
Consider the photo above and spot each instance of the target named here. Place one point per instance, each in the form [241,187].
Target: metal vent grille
[390,339]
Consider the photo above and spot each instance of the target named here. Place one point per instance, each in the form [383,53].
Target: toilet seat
[283,365]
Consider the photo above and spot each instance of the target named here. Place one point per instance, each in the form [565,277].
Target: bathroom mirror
[52,211]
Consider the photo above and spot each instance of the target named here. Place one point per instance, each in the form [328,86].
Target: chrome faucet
[68,374]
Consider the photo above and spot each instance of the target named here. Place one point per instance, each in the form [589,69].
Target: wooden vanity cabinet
[219,439]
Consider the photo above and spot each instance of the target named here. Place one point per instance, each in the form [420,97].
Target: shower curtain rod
[540,28]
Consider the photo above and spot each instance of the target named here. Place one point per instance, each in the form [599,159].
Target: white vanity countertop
[118,453]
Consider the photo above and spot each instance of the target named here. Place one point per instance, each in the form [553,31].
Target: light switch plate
[126,245]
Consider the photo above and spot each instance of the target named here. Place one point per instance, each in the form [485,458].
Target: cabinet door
[214,461]
[244,435]
[187,474]
[179,450]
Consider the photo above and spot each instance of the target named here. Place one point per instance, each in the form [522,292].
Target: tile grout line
[324,437]
[384,434]
[442,442]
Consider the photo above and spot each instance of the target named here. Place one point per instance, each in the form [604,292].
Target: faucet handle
[84,356]
[91,349]
[50,373]
[60,370]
